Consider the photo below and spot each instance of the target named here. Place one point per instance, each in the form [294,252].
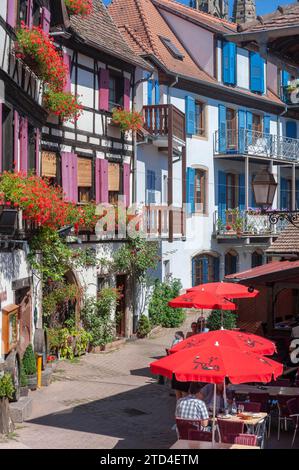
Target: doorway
[23,299]
[121,284]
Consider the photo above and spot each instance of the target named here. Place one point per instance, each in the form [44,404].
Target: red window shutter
[104,90]
[67,63]
[16,139]
[1,140]
[126,182]
[101,181]
[24,144]
[74,177]
[45,20]
[11,13]
[37,151]
[127,90]
[66,174]
[29,19]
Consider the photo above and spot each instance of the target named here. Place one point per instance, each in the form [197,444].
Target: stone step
[21,409]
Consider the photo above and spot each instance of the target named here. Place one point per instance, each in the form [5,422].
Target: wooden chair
[229,430]
[194,435]
[246,440]
[184,426]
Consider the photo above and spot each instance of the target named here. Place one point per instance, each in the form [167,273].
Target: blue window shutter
[242,192]
[252,194]
[291,129]
[267,121]
[257,79]
[249,120]
[190,115]
[222,129]
[190,190]
[150,92]
[216,270]
[285,78]
[284,194]
[205,270]
[157,92]
[222,196]
[242,127]
[229,54]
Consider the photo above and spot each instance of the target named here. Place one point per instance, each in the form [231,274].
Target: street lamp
[264,188]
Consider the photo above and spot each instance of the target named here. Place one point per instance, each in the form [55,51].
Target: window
[231,125]
[150,196]
[257,259]
[232,191]
[49,167]
[257,127]
[199,118]
[84,180]
[172,48]
[205,268]
[116,91]
[200,187]
[22,11]
[231,259]
[114,182]
[36,12]
[7,139]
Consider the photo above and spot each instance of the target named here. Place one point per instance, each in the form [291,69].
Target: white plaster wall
[85,88]
[3,9]
[242,68]
[272,77]
[219,61]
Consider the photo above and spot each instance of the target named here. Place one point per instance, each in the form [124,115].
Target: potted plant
[29,364]
[144,326]
[23,382]
[127,120]
[6,393]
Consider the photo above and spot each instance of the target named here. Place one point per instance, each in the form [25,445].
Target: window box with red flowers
[64,105]
[79,7]
[127,120]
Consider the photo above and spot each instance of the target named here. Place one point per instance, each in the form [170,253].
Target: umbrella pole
[214,418]
[224,395]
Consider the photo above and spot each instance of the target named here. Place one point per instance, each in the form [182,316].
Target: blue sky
[263,6]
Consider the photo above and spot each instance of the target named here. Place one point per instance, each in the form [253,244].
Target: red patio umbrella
[201,299]
[228,338]
[226,290]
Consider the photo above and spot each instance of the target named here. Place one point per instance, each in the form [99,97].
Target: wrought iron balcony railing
[256,144]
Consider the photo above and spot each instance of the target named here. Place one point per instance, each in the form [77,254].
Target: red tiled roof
[284,16]
[204,19]
[277,267]
[287,242]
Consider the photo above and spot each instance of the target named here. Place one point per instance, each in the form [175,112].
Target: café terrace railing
[256,144]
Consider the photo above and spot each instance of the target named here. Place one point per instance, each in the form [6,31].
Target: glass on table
[241,408]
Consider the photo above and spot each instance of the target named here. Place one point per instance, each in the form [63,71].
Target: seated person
[193,330]
[207,395]
[191,407]
[178,337]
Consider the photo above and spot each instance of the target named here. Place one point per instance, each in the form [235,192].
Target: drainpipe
[170,86]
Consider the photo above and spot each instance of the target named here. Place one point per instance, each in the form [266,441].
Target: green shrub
[144,326]
[23,376]
[29,361]
[159,311]
[68,342]
[228,320]
[7,388]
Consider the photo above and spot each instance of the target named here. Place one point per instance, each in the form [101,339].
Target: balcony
[257,145]
[252,223]
[161,221]
[165,122]
[25,78]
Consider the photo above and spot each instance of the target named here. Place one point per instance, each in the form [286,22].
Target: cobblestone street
[104,401]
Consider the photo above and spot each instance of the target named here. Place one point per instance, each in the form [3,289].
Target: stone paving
[106,401]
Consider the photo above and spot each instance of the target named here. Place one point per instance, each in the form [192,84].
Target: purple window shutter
[74,177]
[46,20]
[37,148]
[29,19]
[1,141]
[126,182]
[66,175]
[104,89]
[67,62]
[101,181]
[16,139]
[127,90]
[11,13]
[24,145]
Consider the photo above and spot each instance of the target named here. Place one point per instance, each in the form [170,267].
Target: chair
[253,407]
[229,430]
[283,412]
[194,435]
[184,426]
[246,440]
[293,407]
[264,400]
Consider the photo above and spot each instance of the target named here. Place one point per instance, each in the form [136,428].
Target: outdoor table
[197,445]
[253,421]
[271,390]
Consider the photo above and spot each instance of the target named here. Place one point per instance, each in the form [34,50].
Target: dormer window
[172,48]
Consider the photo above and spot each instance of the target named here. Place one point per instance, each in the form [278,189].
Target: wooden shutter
[16,137]
[67,63]
[113,177]
[104,90]
[127,183]
[49,164]
[150,92]
[1,139]
[257,80]
[242,130]
[267,122]
[190,191]
[29,19]
[190,115]
[127,90]
[222,129]
[229,54]
[11,13]
[101,178]
[45,20]
[222,196]
[84,172]
[291,129]
[249,123]
[242,192]
[69,176]
[24,144]
[37,151]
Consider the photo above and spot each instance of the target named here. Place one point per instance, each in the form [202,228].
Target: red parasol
[226,290]
[213,363]
[201,299]
[233,339]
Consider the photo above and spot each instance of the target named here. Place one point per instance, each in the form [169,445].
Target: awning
[278,271]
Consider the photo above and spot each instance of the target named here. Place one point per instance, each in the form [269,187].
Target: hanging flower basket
[127,120]
[64,105]
[79,7]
